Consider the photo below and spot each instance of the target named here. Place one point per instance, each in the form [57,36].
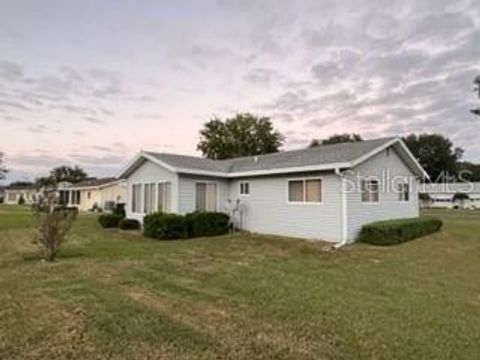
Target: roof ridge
[385,139]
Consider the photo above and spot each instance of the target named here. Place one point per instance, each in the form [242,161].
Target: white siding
[385,165]
[186,192]
[266,209]
[150,172]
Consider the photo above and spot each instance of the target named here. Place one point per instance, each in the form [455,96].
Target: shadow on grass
[63,254]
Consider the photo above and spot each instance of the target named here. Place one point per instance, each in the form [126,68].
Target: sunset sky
[90,83]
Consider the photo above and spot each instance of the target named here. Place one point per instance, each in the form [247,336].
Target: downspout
[344,240]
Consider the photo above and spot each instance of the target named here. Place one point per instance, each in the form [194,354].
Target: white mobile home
[326,192]
[465,195]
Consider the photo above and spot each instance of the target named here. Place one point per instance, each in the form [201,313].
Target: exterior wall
[267,210]
[87,202]
[384,166]
[116,193]
[28,194]
[150,172]
[187,196]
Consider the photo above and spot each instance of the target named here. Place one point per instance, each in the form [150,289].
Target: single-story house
[93,194]
[326,192]
[14,193]
[464,195]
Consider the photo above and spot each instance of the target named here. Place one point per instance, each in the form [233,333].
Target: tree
[62,173]
[337,139]
[53,222]
[469,171]
[243,135]
[436,154]
[476,84]
[3,168]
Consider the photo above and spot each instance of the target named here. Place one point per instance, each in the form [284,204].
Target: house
[326,192]
[15,192]
[464,195]
[92,194]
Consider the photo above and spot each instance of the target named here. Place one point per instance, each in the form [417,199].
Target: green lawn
[118,295]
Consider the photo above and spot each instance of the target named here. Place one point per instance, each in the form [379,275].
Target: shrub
[119,209]
[207,224]
[21,200]
[129,224]
[393,232]
[165,226]
[109,220]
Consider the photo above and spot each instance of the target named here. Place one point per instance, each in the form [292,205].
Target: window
[305,191]
[370,191]
[206,197]
[403,192]
[164,196]
[12,196]
[244,188]
[75,197]
[89,195]
[149,198]
[136,198]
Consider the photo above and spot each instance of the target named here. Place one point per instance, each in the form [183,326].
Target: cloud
[93,120]
[14,104]
[262,76]
[10,71]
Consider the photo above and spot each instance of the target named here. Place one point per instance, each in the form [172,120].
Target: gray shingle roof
[321,155]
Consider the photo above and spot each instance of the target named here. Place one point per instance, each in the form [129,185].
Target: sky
[91,83]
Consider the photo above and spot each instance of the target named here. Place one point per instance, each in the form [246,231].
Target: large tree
[336,139]
[476,83]
[469,171]
[3,168]
[63,173]
[242,135]
[436,154]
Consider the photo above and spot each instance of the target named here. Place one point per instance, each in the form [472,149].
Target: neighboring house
[447,195]
[13,194]
[327,192]
[92,194]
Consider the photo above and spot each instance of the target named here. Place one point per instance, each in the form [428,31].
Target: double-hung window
[305,191]
[149,198]
[244,188]
[370,191]
[136,198]
[403,192]
[164,196]
[205,196]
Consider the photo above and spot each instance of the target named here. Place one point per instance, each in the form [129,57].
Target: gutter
[344,241]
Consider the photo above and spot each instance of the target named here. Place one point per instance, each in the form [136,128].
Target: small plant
[21,200]
[109,220]
[53,222]
[119,210]
[129,224]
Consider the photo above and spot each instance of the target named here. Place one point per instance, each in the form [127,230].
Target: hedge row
[165,226]
[393,232]
[109,220]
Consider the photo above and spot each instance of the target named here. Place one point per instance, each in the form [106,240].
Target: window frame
[401,192]
[138,206]
[369,202]
[164,192]
[304,181]
[217,200]
[242,185]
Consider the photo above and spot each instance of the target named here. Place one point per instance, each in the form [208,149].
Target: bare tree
[3,169]
[476,84]
[53,222]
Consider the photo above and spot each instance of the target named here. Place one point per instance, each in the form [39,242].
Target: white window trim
[142,194]
[217,200]
[371,203]
[156,195]
[240,188]
[403,193]
[307,203]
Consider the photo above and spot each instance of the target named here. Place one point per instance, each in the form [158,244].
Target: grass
[118,295]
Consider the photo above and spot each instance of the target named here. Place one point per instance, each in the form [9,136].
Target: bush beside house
[109,220]
[129,224]
[393,232]
[172,226]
